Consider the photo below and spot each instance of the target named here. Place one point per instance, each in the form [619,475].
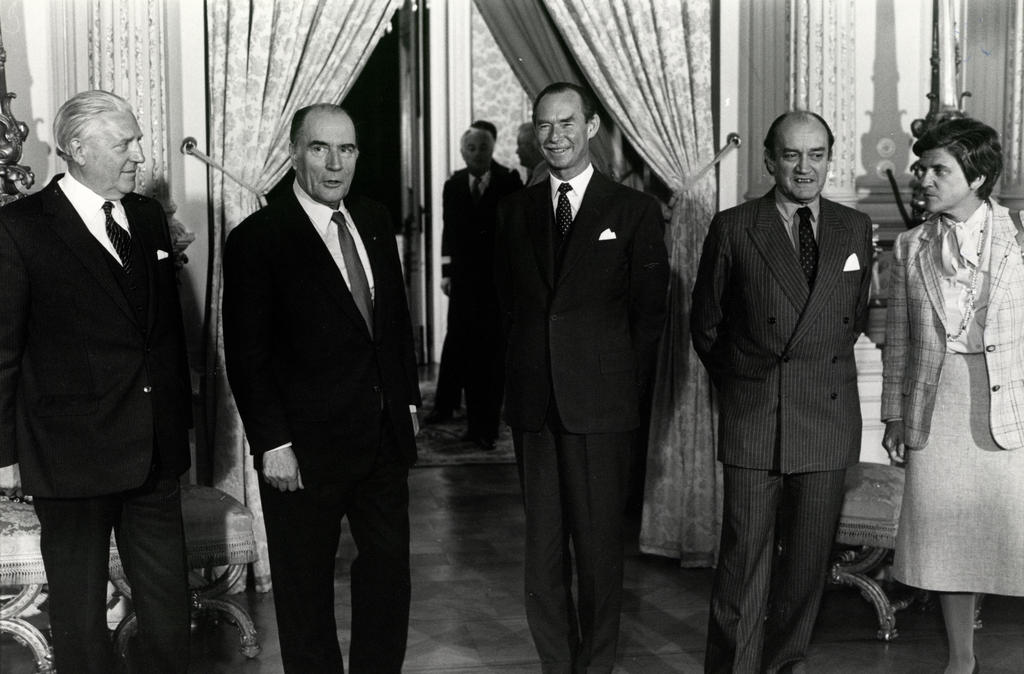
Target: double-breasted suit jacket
[91,388]
[780,353]
[917,325]
[301,362]
[582,325]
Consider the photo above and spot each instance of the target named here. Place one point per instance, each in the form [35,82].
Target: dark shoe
[481,443]
[437,417]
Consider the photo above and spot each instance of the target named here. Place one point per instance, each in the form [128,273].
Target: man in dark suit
[320,359]
[95,400]
[780,298]
[582,274]
[470,204]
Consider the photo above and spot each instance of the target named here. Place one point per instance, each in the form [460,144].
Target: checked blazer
[916,328]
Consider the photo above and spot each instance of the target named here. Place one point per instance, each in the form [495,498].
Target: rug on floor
[441,444]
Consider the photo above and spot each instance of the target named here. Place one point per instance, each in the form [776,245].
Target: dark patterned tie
[808,246]
[121,239]
[357,282]
[563,212]
[477,190]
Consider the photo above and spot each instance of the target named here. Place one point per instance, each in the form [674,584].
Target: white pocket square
[606,235]
[852,263]
[161,254]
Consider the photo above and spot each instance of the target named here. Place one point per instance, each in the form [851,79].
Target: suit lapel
[776,249]
[361,218]
[539,221]
[149,244]
[1004,246]
[312,253]
[833,247]
[66,223]
[931,275]
[586,226]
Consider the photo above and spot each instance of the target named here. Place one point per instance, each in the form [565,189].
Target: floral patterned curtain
[649,61]
[267,59]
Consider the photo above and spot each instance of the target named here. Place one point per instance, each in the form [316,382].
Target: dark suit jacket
[468,237]
[781,356]
[87,391]
[587,335]
[300,360]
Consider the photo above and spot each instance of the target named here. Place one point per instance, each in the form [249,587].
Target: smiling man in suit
[95,402]
[780,298]
[320,358]
[582,275]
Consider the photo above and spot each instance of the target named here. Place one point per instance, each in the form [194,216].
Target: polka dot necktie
[121,239]
[808,246]
[563,213]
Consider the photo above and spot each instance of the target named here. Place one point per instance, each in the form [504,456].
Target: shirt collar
[319,214]
[86,202]
[974,222]
[579,183]
[485,180]
[788,208]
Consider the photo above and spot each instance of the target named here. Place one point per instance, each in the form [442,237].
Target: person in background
[582,274]
[319,351]
[95,395]
[474,344]
[530,156]
[952,399]
[781,296]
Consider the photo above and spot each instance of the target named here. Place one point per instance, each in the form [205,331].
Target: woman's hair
[974,144]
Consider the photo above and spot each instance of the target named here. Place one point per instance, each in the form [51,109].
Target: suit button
[990,348]
[376,389]
[785,359]
[833,396]
[554,317]
[771,320]
[147,389]
[835,358]
[996,387]
[846,319]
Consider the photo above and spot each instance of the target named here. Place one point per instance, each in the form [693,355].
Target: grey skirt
[962,523]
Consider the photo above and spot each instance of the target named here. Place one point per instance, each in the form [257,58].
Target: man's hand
[415,422]
[281,469]
[10,482]
[893,442]
[446,286]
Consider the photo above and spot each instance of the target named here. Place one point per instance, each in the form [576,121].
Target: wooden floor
[467,609]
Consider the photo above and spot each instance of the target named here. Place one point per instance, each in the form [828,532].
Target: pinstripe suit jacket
[781,354]
[916,327]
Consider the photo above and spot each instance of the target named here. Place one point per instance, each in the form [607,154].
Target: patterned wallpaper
[497,95]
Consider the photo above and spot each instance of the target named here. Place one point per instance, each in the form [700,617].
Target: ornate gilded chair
[219,542]
[21,571]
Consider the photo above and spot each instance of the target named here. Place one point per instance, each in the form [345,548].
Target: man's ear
[75,152]
[593,124]
[769,164]
[977,183]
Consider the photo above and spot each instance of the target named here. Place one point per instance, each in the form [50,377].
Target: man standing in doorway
[582,274]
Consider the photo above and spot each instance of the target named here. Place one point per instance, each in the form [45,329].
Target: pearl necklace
[972,293]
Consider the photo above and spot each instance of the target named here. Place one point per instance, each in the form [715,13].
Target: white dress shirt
[89,207]
[579,187]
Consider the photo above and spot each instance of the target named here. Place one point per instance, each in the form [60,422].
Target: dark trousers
[303,530]
[574,488]
[75,544]
[448,396]
[777,533]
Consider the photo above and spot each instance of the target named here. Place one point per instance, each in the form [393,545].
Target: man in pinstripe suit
[780,298]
